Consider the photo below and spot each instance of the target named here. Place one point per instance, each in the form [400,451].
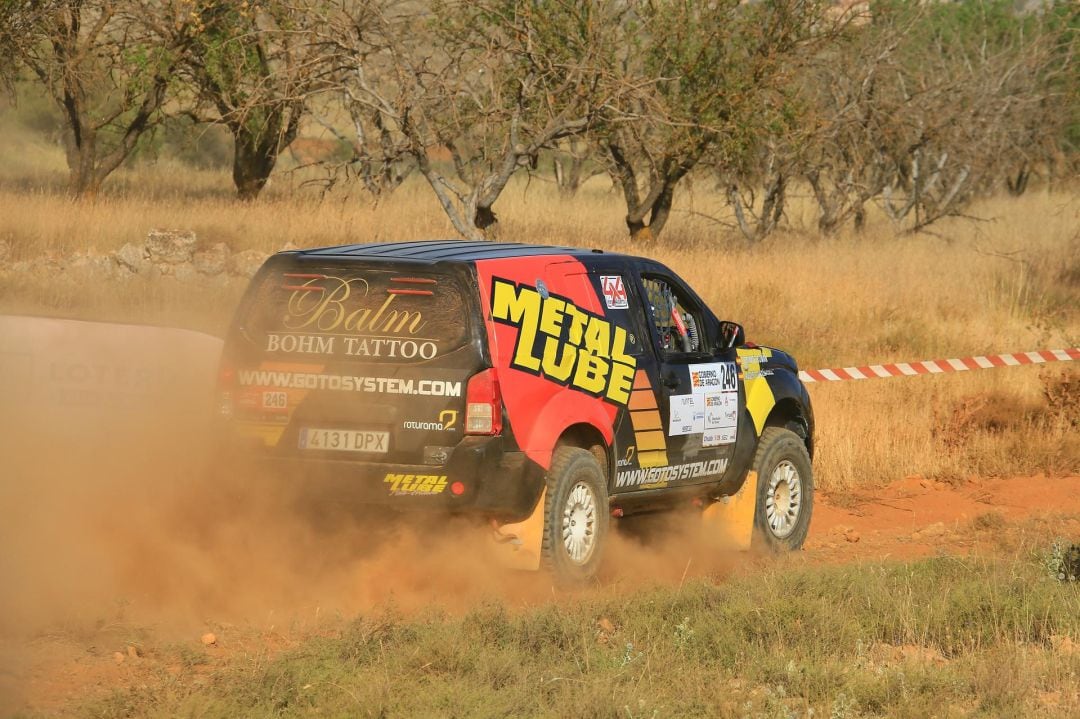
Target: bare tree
[854,119]
[254,67]
[574,161]
[924,108]
[976,80]
[109,67]
[473,91]
[716,68]
[758,196]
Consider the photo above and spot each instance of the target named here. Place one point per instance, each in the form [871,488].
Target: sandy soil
[71,660]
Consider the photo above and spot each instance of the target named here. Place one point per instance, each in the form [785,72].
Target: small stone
[852,536]
[209,639]
[133,652]
[246,263]
[133,257]
[170,247]
[94,267]
[185,273]
[934,530]
[118,657]
[213,261]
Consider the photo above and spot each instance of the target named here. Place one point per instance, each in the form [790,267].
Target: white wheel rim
[783,500]
[579,523]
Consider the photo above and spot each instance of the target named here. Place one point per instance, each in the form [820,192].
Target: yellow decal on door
[759,395]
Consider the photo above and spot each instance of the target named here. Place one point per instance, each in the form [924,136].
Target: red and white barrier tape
[963,364]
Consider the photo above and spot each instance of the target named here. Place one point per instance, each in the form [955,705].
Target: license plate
[344,440]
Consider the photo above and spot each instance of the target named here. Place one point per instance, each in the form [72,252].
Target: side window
[678,328]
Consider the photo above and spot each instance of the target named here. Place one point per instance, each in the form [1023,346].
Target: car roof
[450,251]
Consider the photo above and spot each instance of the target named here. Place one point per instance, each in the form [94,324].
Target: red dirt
[917,517]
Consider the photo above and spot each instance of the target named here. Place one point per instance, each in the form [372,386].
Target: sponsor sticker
[712,408]
[563,343]
[447,421]
[721,410]
[614,292]
[670,473]
[349,383]
[682,418]
[369,317]
[275,400]
[714,377]
[381,347]
[415,484]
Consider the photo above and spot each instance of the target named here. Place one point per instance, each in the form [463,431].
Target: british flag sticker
[614,292]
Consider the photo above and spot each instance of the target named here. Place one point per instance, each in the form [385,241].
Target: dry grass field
[1007,282]
[986,635]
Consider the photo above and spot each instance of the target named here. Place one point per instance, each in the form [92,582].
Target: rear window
[361,314]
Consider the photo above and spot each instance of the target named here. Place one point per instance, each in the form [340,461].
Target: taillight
[226,386]
[483,410]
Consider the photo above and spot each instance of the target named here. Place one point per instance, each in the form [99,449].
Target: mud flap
[518,545]
[731,519]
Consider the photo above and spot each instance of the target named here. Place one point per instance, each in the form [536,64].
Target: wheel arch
[541,433]
[588,436]
[790,414]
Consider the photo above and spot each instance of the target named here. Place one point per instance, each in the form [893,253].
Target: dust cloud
[111,510]
[133,524]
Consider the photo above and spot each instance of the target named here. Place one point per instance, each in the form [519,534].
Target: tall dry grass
[1007,282]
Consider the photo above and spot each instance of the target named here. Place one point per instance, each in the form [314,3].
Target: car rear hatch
[355,360]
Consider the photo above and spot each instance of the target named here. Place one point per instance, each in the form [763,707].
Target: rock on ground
[170,247]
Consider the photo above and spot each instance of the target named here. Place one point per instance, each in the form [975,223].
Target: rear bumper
[480,476]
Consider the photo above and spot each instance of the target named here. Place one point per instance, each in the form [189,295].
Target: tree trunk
[85,175]
[485,221]
[82,180]
[253,161]
[568,175]
[1018,185]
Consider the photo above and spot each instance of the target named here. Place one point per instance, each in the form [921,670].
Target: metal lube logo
[564,343]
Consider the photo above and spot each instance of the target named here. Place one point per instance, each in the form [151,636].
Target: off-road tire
[781,460]
[573,468]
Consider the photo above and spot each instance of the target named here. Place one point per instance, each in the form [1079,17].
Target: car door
[639,438]
[696,388]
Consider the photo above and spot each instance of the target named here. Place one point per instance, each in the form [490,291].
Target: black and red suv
[510,381]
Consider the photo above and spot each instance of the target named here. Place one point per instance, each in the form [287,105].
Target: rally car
[514,383]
